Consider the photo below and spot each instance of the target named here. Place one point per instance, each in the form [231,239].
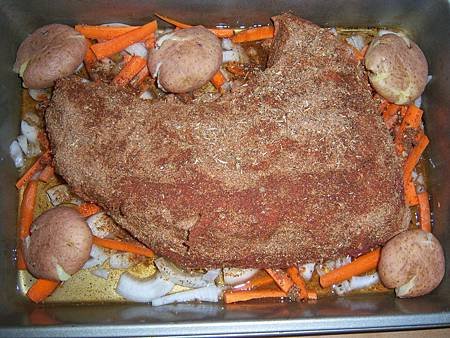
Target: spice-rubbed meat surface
[294,166]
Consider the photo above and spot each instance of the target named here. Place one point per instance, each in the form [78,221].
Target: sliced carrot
[254,283]
[150,42]
[119,43]
[27,208]
[88,209]
[298,280]
[410,193]
[140,77]
[20,259]
[38,165]
[412,119]
[103,32]
[236,69]
[47,173]
[123,246]
[414,156]
[390,114]
[254,34]
[360,54]
[41,289]
[218,80]
[362,264]
[89,59]
[281,279]
[43,141]
[242,296]
[424,211]
[130,70]
[219,32]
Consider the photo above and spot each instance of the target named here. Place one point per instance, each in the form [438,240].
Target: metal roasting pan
[428,23]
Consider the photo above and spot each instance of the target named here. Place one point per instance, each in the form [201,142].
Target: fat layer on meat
[296,165]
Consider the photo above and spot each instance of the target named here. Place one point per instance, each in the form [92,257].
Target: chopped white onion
[211,275]
[40,94]
[16,154]
[180,277]
[227,44]
[61,194]
[356,41]
[62,274]
[160,41]
[98,257]
[143,290]
[331,265]
[23,143]
[418,102]
[429,78]
[120,260]
[230,56]
[138,49]
[115,24]
[333,30]
[101,273]
[100,224]
[356,283]
[30,132]
[147,95]
[306,271]
[234,276]
[205,294]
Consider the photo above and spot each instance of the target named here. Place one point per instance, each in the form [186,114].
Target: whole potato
[186,59]
[413,263]
[59,244]
[398,70]
[49,53]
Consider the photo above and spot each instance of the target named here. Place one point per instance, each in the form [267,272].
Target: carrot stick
[412,119]
[298,281]
[89,58]
[27,209]
[103,32]
[219,32]
[20,259]
[360,54]
[281,279]
[130,70]
[242,296]
[43,141]
[140,77]
[38,165]
[253,34]
[424,211]
[218,80]
[360,265]
[410,193]
[119,43]
[123,246]
[150,42]
[254,283]
[235,69]
[414,157]
[88,209]
[390,115]
[41,289]
[47,173]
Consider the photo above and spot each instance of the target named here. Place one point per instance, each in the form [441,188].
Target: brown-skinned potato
[49,53]
[59,244]
[398,69]
[413,263]
[186,60]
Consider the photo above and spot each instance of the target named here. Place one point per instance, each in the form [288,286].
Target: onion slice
[100,224]
[180,277]
[120,260]
[234,276]
[16,154]
[307,270]
[143,290]
[98,257]
[205,294]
